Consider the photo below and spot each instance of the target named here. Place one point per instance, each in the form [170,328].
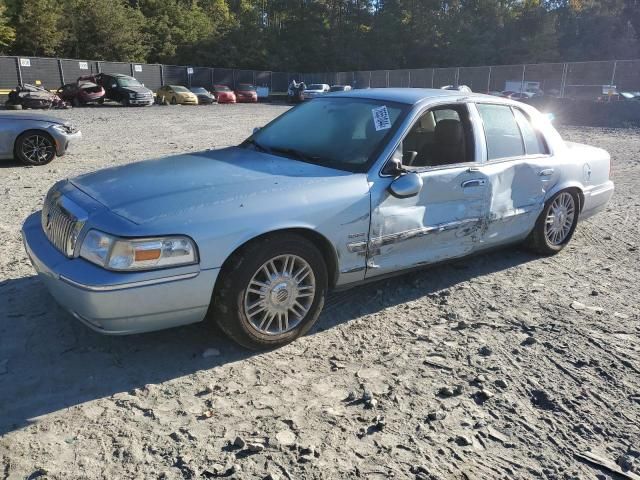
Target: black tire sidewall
[18,148]
[229,313]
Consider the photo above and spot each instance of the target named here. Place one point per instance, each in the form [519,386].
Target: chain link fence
[579,80]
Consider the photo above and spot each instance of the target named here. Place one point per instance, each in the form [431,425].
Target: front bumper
[63,140]
[141,102]
[119,303]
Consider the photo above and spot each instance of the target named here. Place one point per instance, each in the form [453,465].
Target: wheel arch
[573,186]
[323,244]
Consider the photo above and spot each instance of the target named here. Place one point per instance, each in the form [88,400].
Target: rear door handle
[476,182]
[546,173]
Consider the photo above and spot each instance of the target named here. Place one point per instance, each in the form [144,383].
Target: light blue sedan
[345,188]
[34,139]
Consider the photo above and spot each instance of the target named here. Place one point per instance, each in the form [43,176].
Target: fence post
[457,77]
[524,70]
[613,74]
[489,80]
[387,78]
[563,81]
[409,78]
[19,70]
[61,71]
[161,75]
[433,76]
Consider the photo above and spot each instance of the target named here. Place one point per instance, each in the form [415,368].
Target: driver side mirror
[256,129]
[406,185]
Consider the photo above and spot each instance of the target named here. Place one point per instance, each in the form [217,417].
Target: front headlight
[124,254]
[68,129]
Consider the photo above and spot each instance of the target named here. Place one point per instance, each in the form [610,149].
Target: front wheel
[272,291]
[35,148]
[556,224]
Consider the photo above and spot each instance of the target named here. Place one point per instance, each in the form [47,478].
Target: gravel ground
[505,365]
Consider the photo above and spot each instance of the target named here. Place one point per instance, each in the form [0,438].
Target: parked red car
[246,93]
[223,94]
[83,91]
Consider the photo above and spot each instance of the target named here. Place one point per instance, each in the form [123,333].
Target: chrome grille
[60,225]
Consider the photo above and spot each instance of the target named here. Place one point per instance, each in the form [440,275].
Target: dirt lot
[502,366]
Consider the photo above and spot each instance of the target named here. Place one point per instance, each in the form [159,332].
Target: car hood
[33,117]
[191,185]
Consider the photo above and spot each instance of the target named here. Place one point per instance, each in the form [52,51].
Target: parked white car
[316,90]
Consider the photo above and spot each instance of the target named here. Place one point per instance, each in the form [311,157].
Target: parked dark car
[204,97]
[82,92]
[31,96]
[124,89]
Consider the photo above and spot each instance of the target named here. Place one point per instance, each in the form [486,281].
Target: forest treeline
[323,35]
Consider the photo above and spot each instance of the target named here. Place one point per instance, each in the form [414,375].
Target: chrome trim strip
[124,286]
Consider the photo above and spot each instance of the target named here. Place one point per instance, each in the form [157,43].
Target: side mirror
[407,185]
[256,129]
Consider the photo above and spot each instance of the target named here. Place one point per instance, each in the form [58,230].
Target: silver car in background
[377,182]
[34,139]
[315,90]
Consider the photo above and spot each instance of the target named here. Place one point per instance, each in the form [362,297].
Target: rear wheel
[556,224]
[272,291]
[174,101]
[35,148]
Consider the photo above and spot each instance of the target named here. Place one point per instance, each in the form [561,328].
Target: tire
[35,148]
[278,312]
[125,102]
[11,106]
[174,101]
[555,226]
[76,102]
[101,101]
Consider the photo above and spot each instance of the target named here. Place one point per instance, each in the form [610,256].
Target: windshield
[315,86]
[179,89]
[246,88]
[128,82]
[343,133]
[199,90]
[337,88]
[221,88]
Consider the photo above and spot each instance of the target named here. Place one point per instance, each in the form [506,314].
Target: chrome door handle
[476,182]
[546,173]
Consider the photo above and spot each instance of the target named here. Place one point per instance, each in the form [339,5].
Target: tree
[7,33]
[38,27]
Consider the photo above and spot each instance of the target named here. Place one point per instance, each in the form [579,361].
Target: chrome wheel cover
[560,219]
[37,148]
[280,295]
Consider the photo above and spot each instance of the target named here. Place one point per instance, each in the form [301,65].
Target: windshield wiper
[292,152]
[257,145]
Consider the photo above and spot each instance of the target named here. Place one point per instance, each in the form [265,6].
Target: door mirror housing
[407,185]
[256,129]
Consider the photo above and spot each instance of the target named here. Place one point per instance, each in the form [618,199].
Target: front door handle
[476,182]
[546,172]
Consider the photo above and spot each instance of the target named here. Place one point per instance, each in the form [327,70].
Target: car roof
[409,96]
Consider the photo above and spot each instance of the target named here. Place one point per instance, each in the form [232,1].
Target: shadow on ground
[49,361]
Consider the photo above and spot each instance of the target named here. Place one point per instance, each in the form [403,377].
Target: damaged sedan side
[345,188]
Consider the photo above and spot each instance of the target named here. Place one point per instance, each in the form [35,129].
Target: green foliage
[7,33]
[324,35]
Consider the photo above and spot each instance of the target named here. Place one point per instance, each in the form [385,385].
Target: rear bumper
[118,303]
[596,199]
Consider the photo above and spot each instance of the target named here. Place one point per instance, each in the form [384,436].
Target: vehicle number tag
[381,118]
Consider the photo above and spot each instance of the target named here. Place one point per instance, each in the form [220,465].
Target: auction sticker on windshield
[381,118]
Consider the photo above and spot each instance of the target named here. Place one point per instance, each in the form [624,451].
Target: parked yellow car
[176,95]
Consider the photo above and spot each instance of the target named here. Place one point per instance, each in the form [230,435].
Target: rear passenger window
[501,131]
[533,142]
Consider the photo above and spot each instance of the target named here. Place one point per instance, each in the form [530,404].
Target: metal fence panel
[586,79]
[420,77]
[344,78]
[43,70]
[174,74]
[476,78]
[201,77]
[378,79]
[548,76]
[223,76]
[506,77]
[627,76]
[72,69]
[148,74]
[399,78]
[115,67]
[263,79]
[279,82]
[8,72]
[444,76]
[362,80]
[244,76]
